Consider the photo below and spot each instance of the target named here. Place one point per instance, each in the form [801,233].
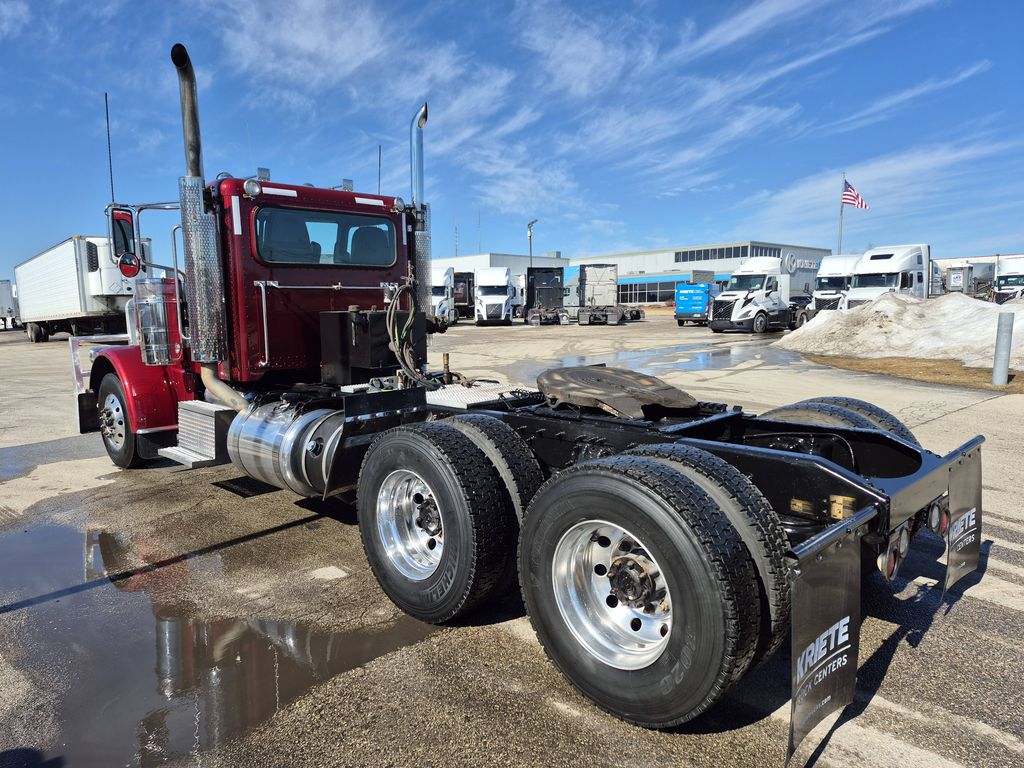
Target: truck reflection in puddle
[221,677]
[147,679]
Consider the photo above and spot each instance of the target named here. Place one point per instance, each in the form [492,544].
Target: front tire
[437,531]
[759,323]
[115,426]
[680,323]
[639,589]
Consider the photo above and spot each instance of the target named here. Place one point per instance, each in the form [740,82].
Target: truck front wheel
[118,437]
[437,530]
[639,589]
[760,323]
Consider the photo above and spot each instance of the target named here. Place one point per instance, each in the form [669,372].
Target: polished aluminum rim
[612,594]
[410,524]
[112,422]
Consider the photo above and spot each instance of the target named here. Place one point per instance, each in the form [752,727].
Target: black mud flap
[963,534]
[825,624]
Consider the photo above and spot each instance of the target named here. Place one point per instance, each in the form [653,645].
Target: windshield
[492,290]
[438,291]
[883,280]
[745,283]
[1008,281]
[839,283]
[294,236]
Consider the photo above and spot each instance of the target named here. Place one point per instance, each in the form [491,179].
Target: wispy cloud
[581,56]
[14,16]
[887,105]
[309,44]
[753,21]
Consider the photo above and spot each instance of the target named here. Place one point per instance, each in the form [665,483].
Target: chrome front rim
[410,524]
[112,422]
[612,594]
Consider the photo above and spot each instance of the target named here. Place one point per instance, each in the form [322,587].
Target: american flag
[852,197]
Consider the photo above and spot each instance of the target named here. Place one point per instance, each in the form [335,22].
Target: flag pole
[842,190]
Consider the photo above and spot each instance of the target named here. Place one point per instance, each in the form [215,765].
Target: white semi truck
[495,292]
[442,294]
[905,269]
[74,287]
[833,281]
[758,296]
[1009,284]
[8,305]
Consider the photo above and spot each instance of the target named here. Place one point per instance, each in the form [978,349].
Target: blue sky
[620,125]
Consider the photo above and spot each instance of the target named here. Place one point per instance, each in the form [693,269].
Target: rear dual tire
[657,663]
[438,506]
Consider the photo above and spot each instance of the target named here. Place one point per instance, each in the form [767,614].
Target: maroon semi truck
[664,545]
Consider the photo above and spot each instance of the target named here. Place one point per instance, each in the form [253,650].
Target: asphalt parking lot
[189,616]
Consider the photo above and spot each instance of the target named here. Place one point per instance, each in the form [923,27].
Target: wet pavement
[162,616]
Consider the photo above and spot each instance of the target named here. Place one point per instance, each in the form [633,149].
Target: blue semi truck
[693,301]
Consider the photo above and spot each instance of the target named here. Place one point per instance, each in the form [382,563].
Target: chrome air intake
[204,280]
[421,238]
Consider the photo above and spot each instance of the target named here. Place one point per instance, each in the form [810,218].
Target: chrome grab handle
[177,297]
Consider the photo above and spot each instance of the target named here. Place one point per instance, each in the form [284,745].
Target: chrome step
[202,434]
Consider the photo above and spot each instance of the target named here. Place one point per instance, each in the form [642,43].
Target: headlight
[252,188]
[399,204]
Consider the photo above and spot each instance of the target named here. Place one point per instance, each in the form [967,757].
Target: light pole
[529,236]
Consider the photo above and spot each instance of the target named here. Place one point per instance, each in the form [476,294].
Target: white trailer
[833,281]
[1009,282]
[905,269]
[495,291]
[8,305]
[75,287]
[442,294]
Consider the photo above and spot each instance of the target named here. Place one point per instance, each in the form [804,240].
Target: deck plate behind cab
[615,390]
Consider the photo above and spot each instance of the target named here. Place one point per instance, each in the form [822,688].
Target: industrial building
[646,277]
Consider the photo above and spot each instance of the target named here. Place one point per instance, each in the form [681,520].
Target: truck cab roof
[892,258]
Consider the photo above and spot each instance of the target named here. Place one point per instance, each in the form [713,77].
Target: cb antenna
[110,154]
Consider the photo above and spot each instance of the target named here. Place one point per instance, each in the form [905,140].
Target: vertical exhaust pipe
[421,260]
[204,278]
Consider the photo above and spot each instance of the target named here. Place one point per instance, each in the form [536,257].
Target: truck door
[773,297]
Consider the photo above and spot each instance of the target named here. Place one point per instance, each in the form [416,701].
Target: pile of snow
[949,327]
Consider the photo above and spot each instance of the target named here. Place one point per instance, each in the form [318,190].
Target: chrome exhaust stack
[204,277]
[421,239]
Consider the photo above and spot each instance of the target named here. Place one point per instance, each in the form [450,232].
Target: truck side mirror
[122,230]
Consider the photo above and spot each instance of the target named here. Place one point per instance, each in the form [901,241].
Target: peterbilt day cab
[664,545]
[835,274]
[494,293]
[905,269]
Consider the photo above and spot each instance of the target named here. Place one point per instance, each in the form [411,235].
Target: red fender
[151,392]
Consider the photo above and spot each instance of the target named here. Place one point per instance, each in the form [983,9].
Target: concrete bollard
[1004,335]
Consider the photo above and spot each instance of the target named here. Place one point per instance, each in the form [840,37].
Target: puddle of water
[144,680]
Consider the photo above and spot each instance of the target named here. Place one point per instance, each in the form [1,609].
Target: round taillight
[944,525]
[890,565]
[129,265]
[934,517]
[904,542]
